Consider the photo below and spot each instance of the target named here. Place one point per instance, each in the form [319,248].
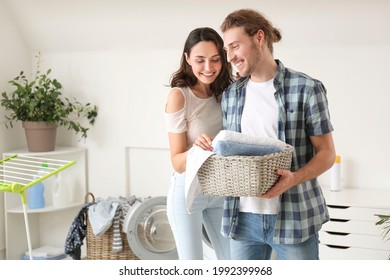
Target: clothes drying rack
[20,172]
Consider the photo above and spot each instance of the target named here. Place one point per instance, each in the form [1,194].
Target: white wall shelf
[48,225]
[49,208]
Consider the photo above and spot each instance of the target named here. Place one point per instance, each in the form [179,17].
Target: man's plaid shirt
[303,112]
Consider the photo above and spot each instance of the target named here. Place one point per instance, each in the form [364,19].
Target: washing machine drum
[148,231]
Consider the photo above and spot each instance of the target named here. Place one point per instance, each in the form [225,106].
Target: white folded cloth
[196,156]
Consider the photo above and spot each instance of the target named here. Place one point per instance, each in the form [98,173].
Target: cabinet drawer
[350,253]
[355,213]
[351,226]
[354,240]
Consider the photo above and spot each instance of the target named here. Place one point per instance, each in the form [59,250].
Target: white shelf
[358,197]
[46,209]
[351,234]
[48,225]
[59,150]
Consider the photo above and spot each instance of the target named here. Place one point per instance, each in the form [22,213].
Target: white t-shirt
[260,118]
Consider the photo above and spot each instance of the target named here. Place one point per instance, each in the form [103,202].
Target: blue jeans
[187,228]
[254,241]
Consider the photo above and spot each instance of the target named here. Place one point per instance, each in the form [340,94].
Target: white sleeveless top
[198,116]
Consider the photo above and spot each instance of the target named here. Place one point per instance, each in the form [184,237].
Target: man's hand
[285,182]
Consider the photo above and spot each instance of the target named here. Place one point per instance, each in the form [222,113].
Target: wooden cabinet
[351,233]
[48,225]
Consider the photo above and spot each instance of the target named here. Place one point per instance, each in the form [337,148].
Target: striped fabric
[117,223]
[303,112]
[116,232]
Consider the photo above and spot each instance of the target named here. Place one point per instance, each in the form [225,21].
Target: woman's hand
[204,141]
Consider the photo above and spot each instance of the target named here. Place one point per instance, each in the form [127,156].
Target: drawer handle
[337,233]
[339,220]
[338,206]
[337,246]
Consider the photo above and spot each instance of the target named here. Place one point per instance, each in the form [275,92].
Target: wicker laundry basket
[100,247]
[242,175]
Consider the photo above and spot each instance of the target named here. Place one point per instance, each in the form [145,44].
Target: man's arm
[323,160]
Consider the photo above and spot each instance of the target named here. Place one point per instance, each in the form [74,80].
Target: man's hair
[252,21]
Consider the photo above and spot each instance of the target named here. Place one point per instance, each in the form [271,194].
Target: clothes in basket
[102,214]
[225,143]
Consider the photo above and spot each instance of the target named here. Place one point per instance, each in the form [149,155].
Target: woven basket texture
[100,247]
[242,175]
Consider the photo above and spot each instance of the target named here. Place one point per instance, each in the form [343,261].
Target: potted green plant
[40,105]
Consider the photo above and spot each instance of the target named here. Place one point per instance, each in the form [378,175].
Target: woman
[193,108]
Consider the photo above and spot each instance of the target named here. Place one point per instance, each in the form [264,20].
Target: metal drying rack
[20,172]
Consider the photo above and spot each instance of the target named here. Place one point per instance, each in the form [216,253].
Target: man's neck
[265,72]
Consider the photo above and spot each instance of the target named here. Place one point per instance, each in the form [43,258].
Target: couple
[266,100]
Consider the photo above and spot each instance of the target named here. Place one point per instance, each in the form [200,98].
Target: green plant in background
[41,100]
[384,221]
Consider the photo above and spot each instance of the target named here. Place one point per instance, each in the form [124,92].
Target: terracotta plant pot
[40,136]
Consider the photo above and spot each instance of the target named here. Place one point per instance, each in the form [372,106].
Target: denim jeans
[187,228]
[254,241]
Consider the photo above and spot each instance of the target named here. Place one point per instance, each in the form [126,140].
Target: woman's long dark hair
[185,76]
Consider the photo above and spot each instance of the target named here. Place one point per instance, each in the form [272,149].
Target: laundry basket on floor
[100,247]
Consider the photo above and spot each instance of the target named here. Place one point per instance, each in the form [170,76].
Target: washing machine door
[148,231]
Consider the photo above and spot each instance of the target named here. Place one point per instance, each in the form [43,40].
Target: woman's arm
[177,141]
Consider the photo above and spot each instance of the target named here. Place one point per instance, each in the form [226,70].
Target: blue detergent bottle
[36,193]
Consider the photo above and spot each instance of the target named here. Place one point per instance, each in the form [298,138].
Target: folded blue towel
[228,148]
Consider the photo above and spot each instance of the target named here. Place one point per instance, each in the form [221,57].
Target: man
[270,100]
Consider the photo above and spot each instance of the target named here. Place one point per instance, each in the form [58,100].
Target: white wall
[14,55]
[120,54]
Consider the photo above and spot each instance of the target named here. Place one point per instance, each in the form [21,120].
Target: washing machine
[149,233]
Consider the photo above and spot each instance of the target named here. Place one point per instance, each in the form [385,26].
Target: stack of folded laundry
[231,143]
[45,253]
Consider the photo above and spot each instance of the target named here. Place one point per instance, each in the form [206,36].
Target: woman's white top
[199,115]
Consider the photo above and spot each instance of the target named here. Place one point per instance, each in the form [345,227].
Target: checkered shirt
[303,112]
